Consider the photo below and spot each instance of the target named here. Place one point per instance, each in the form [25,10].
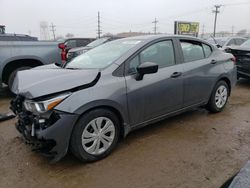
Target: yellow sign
[190,28]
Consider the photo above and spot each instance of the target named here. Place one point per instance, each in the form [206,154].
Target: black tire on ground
[76,146]
[13,74]
[211,106]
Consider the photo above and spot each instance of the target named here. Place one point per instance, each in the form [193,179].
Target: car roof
[152,37]
[148,38]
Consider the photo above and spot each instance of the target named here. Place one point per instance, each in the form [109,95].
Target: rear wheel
[219,97]
[13,74]
[95,135]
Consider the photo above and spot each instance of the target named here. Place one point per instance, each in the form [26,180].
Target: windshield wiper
[71,68]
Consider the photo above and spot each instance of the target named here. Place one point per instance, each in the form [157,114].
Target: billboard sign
[186,28]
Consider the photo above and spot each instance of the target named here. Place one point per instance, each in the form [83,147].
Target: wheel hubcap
[98,135]
[221,96]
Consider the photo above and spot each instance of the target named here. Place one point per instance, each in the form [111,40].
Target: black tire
[13,74]
[76,146]
[212,106]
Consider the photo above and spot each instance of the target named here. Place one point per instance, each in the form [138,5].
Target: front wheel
[219,97]
[95,135]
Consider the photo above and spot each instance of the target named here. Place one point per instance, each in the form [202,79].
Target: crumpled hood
[51,79]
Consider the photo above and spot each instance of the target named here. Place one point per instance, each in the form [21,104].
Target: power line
[155,22]
[53,30]
[216,11]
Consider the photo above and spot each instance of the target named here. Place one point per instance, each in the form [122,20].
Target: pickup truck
[21,55]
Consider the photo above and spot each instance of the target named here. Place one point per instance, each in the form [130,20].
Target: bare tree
[69,35]
[242,32]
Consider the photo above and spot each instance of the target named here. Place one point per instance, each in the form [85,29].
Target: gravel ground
[195,149]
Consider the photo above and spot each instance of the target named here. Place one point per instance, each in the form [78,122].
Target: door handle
[176,74]
[213,61]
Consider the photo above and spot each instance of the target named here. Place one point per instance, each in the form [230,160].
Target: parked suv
[225,42]
[74,52]
[72,43]
[103,94]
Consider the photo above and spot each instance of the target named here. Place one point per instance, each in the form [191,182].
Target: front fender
[104,103]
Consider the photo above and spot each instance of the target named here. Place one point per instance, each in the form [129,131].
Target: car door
[198,68]
[159,93]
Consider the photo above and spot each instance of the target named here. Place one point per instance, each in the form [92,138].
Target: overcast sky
[80,16]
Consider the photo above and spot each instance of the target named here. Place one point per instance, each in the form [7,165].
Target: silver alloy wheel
[221,96]
[98,135]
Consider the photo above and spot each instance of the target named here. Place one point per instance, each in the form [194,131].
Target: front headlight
[44,106]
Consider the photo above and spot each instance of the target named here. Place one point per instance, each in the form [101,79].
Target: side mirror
[146,68]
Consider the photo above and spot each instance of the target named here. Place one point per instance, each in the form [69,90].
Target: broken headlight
[44,106]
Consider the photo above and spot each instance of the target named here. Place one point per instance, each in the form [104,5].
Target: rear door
[159,93]
[198,71]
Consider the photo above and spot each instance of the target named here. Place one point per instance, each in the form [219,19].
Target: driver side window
[161,53]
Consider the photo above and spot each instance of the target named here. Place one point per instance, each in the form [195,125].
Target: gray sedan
[105,93]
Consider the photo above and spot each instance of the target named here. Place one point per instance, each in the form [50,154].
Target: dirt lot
[195,149]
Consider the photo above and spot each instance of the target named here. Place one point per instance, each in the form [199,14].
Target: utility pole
[155,28]
[203,31]
[53,30]
[98,25]
[216,11]
[232,30]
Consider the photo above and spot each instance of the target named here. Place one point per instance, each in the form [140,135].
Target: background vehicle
[117,87]
[17,37]
[242,55]
[72,43]
[20,55]
[74,52]
[77,42]
[224,42]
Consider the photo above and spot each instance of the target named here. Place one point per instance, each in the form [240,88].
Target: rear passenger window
[207,50]
[192,51]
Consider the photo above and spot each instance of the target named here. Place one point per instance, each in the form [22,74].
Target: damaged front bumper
[48,134]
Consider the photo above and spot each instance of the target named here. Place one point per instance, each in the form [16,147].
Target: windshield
[97,42]
[102,55]
[247,43]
